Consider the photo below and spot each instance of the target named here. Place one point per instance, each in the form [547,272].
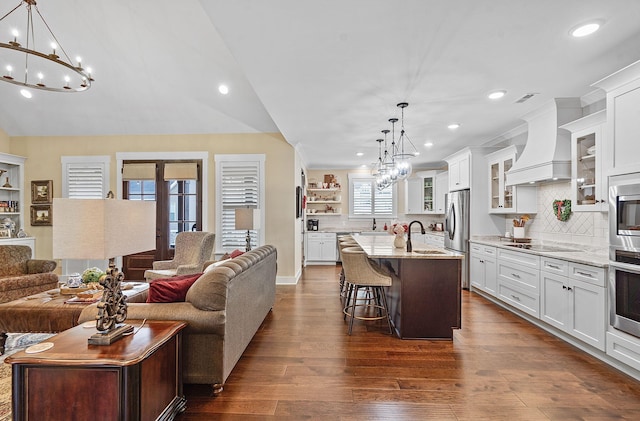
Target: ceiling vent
[526,98]
[547,153]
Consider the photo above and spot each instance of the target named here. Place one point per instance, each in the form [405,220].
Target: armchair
[20,275]
[193,249]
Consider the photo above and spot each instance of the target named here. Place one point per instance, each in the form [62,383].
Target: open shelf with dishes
[324,201]
[12,203]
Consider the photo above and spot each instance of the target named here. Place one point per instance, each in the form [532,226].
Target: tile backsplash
[588,228]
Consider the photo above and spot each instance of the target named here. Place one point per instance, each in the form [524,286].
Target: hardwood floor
[302,365]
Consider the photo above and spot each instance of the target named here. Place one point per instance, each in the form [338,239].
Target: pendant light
[401,158]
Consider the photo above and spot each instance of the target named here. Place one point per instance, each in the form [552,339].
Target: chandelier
[27,63]
[396,165]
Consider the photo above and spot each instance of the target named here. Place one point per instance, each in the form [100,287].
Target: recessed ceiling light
[25,93]
[496,94]
[223,89]
[428,144]
[359,154]
[584,29]
[453,126]
[416,153]
[363,166]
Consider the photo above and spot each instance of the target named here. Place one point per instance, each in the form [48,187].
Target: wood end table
[138,377]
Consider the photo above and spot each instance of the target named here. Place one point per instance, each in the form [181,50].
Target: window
[366,201]
[239,184]
[85,177]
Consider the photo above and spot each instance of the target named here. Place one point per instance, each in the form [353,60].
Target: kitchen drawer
[591,274]
[625,348]
[520,258]
[480,249]
[557,266]
[516,297]
[525,278]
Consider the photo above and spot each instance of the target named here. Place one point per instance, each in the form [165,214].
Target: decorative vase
[399,242]
[518,232]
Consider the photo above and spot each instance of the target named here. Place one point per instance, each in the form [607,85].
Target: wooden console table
[136,378]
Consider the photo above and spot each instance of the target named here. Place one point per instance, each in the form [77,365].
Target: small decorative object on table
[518,226]
[398,229]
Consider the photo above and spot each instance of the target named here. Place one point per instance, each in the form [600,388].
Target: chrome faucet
[374,224]
[409,247]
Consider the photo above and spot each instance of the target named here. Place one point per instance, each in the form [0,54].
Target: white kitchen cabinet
[434,239]
[573,299]
[459,170]
[320,248]
[482,269]
[519,280]
[623,120]
[504,198]
[588,178]
[442,188]
[425,194]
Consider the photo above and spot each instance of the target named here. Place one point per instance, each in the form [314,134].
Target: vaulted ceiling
[326,74]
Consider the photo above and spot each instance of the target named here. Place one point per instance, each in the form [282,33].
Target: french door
[176,188]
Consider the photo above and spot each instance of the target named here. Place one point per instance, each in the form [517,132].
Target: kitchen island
[424,298]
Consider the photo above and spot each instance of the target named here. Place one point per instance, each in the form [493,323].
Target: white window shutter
[366,201]
[239,181]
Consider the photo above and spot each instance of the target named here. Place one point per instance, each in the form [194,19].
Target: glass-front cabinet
[424,193]
[504,198]
[588,183]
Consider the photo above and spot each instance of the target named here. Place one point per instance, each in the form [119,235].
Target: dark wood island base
[425,297]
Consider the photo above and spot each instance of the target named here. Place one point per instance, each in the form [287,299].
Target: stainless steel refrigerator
[456,228]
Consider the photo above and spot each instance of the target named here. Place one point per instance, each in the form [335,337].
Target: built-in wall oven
[624,253]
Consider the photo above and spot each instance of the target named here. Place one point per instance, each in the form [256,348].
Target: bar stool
[360,272]
[341,245]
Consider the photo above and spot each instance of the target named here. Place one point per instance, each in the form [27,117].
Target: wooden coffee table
[138,377]
[47,311]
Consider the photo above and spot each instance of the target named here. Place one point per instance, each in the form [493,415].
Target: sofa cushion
[171,290]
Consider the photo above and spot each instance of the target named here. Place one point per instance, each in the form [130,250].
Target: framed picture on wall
[41,191]
[41,215]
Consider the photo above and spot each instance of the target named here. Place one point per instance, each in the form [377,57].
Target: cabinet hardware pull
[515,275]
[515,297]
[569,288]
[564,287]
[554,266]
[584,274]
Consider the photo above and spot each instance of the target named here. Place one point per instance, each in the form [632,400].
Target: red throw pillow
[171,290]
[236,253]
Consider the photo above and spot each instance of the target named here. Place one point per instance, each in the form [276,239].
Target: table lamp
[104,229]
[247,219]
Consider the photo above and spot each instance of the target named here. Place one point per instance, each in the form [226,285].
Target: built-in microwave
[624,213]
[624,253]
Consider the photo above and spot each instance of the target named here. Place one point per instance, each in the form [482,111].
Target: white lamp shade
[247,219]
[102,228]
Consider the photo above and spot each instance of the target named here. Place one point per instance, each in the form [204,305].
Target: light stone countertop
[381,246]
[585,254]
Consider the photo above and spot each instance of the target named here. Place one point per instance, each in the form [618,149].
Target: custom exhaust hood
[547,153]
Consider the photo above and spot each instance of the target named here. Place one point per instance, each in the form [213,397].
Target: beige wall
[44,163]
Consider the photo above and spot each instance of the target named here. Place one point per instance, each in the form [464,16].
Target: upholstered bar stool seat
[360,272]
[342,244]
